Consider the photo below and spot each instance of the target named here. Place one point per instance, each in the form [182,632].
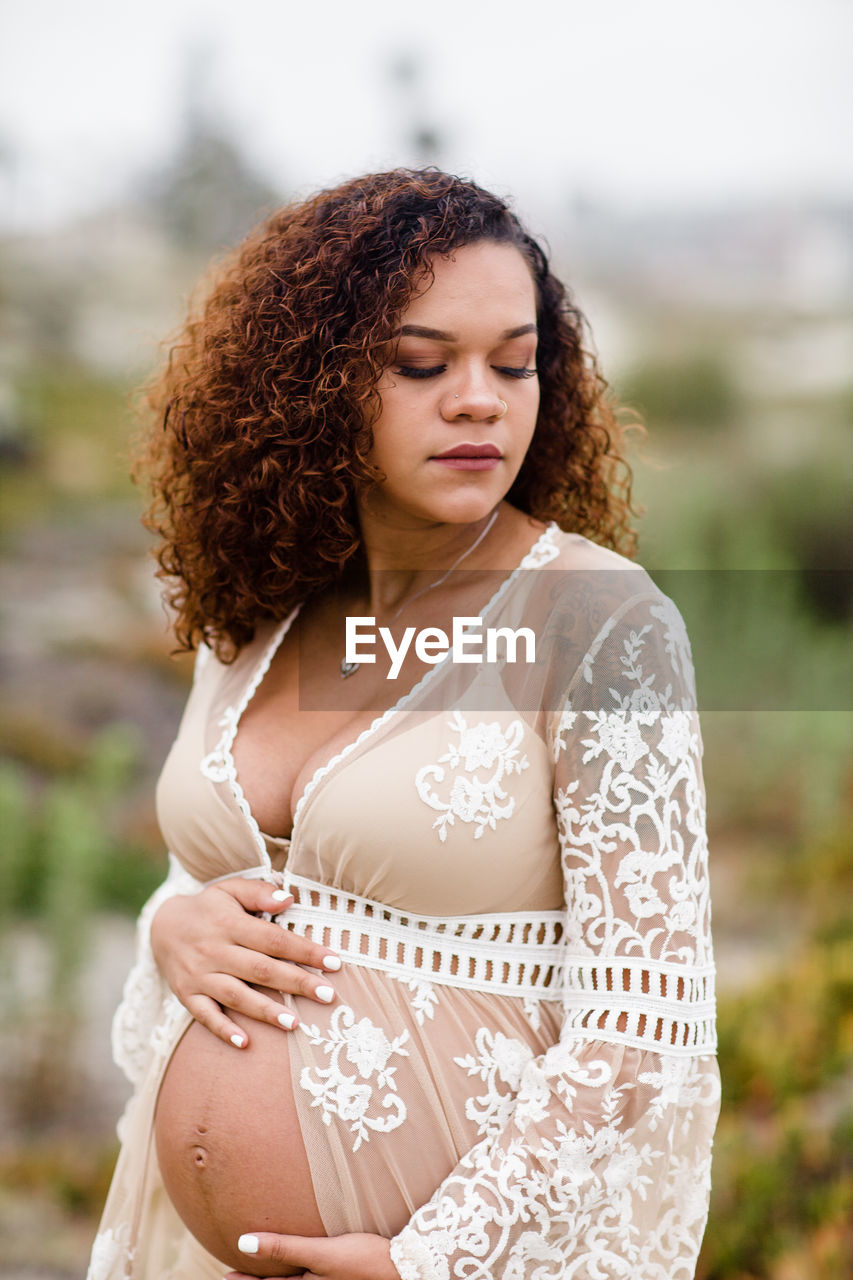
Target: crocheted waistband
[513,953]
[627,999]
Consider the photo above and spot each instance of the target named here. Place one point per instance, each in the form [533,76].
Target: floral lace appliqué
[647,804]
[482,748]
[424,1000]
[500,1061]
[110,1247]
[349,1096]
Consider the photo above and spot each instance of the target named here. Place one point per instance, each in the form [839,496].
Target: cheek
[394,436]
[531,417]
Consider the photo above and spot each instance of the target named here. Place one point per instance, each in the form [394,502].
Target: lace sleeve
[145,989]
[603,1167]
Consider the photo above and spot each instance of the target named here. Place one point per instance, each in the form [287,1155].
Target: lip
[465,450]
[487,463]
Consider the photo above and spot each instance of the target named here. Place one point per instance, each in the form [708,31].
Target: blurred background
[690,167]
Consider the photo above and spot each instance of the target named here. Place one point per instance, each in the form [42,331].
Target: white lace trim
[511,954]
[219,766]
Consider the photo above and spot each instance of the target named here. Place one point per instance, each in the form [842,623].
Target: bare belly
[229,1146]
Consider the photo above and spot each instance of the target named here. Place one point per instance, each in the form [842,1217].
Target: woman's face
[460,396]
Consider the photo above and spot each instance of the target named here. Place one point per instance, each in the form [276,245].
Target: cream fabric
[497,1117]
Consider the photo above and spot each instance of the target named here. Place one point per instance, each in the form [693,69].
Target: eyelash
[407,371]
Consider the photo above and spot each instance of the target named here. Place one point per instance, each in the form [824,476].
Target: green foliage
[800,1030]
[15,824]
[58,845]
[75,1176]
[61,862]
[694,393]
[782,1204]
[757,642]
[75,425]
[58,869]
[783,1168]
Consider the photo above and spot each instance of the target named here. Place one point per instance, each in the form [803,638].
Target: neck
[404,556]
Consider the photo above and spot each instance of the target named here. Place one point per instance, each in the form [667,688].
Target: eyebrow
[418,331]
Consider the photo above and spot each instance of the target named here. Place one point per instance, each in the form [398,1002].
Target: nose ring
[505,410]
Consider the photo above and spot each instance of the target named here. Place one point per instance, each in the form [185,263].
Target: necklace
[350,668]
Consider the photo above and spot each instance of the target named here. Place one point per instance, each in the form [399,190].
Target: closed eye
[407,371]
[410,371]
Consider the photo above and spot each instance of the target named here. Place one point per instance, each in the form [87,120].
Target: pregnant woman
[428,991]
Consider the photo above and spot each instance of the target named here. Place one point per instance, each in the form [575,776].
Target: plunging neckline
[322,771]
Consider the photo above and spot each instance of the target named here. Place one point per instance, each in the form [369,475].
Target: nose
[473,398]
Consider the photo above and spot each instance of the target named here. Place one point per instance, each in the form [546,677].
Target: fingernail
[238,1041]
[287,1020]
[326,994]
[332,962]
[281,895]
[248,1244]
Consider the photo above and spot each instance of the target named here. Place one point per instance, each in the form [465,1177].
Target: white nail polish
[326,994]
[281,895]
[287,1020]
[332,962]
[248,1244]
[238,1041]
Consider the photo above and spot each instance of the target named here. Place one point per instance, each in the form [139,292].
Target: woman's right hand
[210,948]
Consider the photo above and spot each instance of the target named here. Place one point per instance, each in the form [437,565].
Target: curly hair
[263,411]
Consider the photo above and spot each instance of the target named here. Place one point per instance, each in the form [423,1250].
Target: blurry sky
[639,102]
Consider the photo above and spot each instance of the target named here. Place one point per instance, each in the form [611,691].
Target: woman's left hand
[351,1257]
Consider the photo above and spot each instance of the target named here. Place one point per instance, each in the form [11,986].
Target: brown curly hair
[264,408]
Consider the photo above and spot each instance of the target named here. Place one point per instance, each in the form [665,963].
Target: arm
[602,1169]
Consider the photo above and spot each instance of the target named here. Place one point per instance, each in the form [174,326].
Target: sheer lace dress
[518,1080]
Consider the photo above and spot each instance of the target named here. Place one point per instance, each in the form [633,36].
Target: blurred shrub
[59,842]
[757,642]
[782,1204]
[77,424]
[794,1035]
[77,1177]
[58,868]
[694,393]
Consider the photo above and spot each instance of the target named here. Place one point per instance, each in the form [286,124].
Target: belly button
[199,1157]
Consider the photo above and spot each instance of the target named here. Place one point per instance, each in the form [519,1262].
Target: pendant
[348,668]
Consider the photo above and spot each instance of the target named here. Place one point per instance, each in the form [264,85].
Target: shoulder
[574,551]
[576,584]
[598,613]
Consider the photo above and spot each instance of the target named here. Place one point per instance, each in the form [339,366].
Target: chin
[466,507]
